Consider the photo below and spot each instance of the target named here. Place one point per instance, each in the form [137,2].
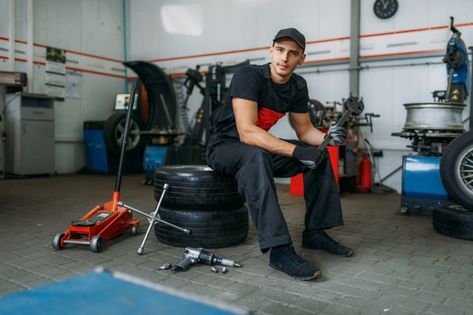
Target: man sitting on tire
[241,146]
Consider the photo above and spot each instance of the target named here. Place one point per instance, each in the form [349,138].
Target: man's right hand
[309,156]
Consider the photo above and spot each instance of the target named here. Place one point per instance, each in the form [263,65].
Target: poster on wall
[55,74]
[73,85]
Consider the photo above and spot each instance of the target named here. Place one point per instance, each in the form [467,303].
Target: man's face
[285,56]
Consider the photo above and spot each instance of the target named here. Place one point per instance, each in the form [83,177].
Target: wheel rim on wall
[133,134]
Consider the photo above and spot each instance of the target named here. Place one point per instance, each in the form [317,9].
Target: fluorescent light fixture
[183,19]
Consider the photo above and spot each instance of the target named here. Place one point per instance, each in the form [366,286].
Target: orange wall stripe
[209,54]
[69,51]
[328,40]
[415,30]
[96,72]
[93,56]
[254,49]
[402,53]
[312,62]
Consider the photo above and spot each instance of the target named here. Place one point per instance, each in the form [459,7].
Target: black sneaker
[320,240]
[285,259]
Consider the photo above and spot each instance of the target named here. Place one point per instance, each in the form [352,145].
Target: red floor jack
[110,219]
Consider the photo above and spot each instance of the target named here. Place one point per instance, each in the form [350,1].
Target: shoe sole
[349,254]
[315,276]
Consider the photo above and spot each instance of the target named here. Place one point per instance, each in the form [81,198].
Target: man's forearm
[312,136]
[260,138]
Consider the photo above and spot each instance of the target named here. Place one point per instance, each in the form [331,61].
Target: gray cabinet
[29,124]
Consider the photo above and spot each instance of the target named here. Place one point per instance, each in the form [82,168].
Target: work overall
[255,169]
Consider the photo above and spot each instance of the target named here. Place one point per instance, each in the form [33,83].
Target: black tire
[454,221]
[113,132]
[209,229]
[456,170]
[195,187]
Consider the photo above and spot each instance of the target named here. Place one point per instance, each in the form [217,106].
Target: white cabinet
[29,122]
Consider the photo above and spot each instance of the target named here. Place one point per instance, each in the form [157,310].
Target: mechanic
[241,146]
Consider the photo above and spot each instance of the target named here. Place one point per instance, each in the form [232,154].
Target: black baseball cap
[293,34]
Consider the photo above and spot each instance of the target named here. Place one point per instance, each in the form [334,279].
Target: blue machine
[110,293]
[422,188]
[456,58]
[154,157]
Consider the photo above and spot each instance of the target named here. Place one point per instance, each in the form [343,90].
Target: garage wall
[91,32]
[400,57]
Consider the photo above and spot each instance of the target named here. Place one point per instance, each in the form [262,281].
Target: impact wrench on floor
[153,217]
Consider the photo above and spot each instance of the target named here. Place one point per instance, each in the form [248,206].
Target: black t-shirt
[253,82]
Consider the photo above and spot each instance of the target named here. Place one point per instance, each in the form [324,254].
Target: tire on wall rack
[114,129]
[454,221]
[209,228]
[456,170]
[195,187]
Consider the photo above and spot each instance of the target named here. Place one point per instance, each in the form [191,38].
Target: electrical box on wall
[29,124]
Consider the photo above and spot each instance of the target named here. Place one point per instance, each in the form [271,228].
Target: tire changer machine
[431,127]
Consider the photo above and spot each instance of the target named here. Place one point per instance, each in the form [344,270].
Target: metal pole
[11,37]
[29,44]
[355,48]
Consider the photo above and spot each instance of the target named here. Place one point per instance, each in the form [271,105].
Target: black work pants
[255,169]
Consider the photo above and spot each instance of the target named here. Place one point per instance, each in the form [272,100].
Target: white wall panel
[232,25]
[91,32]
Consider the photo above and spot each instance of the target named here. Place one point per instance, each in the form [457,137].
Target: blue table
[104,293]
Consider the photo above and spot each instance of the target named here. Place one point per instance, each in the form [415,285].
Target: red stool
[296,186]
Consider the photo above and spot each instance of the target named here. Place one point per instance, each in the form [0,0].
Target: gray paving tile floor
[401,265]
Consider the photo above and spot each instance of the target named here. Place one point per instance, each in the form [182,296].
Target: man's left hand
[336,135]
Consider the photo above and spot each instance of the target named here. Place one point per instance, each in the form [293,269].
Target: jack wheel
[96,244]
[58,241]
[133,229]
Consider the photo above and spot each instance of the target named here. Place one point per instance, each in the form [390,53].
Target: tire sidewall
[450,170]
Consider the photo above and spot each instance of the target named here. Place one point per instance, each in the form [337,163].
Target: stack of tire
[456,171]
[203,201]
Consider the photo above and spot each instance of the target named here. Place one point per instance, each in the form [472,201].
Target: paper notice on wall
[55,67]
[55,74]
[55,90]
[73,85]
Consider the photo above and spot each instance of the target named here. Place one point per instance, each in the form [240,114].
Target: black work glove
[336,135]
[309,156]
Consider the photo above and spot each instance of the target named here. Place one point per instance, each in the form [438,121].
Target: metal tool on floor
[199,255]
[153,218]
[108,220]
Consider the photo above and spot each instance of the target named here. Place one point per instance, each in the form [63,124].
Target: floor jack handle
[131,104]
